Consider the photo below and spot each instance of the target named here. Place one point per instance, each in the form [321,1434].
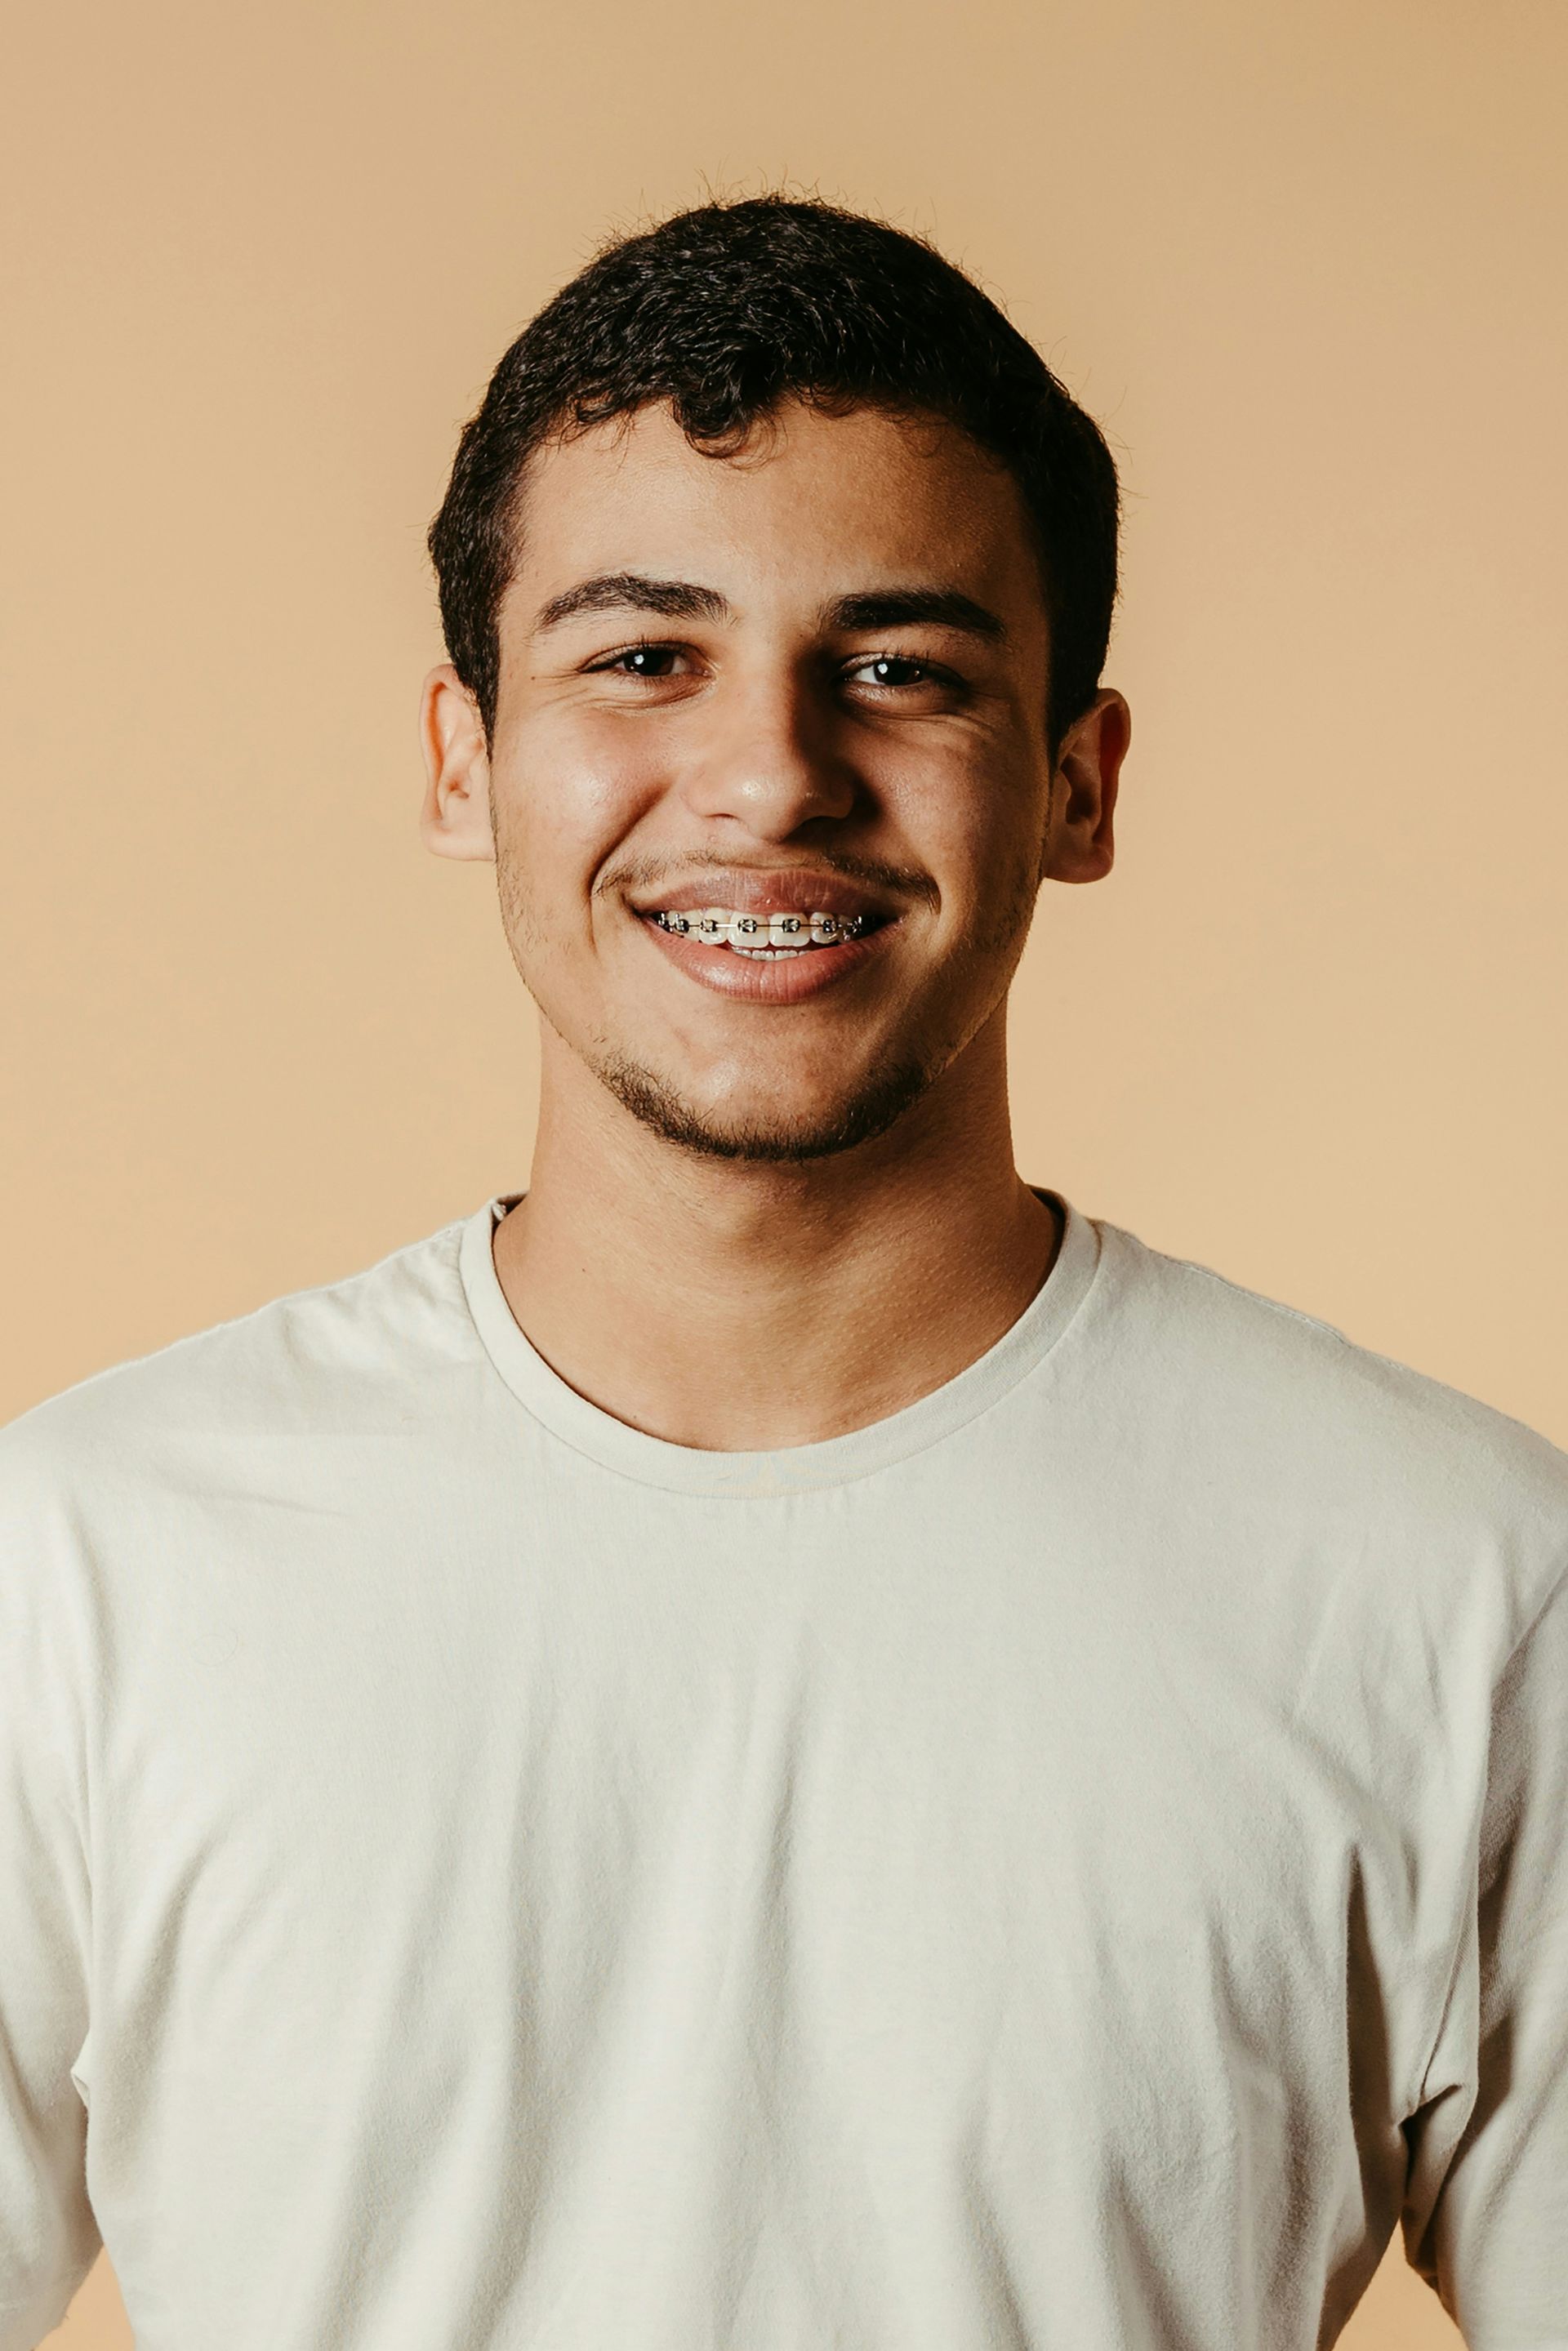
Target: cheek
[979,832]
[567,796]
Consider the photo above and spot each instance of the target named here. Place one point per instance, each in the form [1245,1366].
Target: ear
[454,817]
[1079,846]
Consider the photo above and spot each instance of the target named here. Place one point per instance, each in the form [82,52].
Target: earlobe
[454,815]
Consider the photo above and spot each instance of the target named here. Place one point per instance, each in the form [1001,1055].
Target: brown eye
[646,661]
[892,669]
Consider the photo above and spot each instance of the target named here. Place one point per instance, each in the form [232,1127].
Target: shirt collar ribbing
[795,1469]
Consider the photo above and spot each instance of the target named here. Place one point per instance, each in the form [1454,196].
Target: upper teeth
[722,926]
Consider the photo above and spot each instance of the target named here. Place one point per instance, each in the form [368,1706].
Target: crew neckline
[787,1470]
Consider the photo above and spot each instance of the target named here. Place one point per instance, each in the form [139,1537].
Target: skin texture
[755,1222]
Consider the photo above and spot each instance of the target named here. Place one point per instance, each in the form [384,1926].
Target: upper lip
[790,891]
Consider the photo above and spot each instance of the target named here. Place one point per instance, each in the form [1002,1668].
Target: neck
[743,1306]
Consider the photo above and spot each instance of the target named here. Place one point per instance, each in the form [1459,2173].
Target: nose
[771,763]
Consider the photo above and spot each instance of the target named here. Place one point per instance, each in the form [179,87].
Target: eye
[648,661]
[896,670]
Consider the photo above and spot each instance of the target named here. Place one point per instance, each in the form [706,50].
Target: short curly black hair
[726,309]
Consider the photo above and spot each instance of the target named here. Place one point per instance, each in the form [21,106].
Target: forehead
[832,502]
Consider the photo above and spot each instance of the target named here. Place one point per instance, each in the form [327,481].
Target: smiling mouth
[765,938]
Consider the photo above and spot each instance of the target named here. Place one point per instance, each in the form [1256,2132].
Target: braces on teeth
[764,934]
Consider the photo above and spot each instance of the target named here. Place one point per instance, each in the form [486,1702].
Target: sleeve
[48,2236]
[1485,2219]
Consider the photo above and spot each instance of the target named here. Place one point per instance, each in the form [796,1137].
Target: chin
[763,1130]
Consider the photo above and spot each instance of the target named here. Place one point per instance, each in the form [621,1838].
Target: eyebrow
[684,599]
[610,592]
[898,608]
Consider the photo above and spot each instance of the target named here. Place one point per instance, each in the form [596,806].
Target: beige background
[1304,264]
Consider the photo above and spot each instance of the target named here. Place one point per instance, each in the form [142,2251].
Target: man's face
[770,788]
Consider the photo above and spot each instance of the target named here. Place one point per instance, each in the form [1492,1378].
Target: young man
[783,1741]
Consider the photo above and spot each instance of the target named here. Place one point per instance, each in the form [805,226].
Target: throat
[691,1341]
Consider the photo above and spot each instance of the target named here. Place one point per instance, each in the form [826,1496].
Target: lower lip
[788,981]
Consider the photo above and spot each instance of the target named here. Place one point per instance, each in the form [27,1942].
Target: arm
[48,2237]
[1486,2211]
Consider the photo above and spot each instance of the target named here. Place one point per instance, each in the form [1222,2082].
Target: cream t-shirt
[1073,1864]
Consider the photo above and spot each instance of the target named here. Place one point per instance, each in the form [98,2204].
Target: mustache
[646,874]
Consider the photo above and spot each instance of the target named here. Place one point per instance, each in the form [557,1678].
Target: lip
[792,890]
[788,981]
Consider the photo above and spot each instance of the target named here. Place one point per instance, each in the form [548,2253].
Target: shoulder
[1301,1412]
[334,1356]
